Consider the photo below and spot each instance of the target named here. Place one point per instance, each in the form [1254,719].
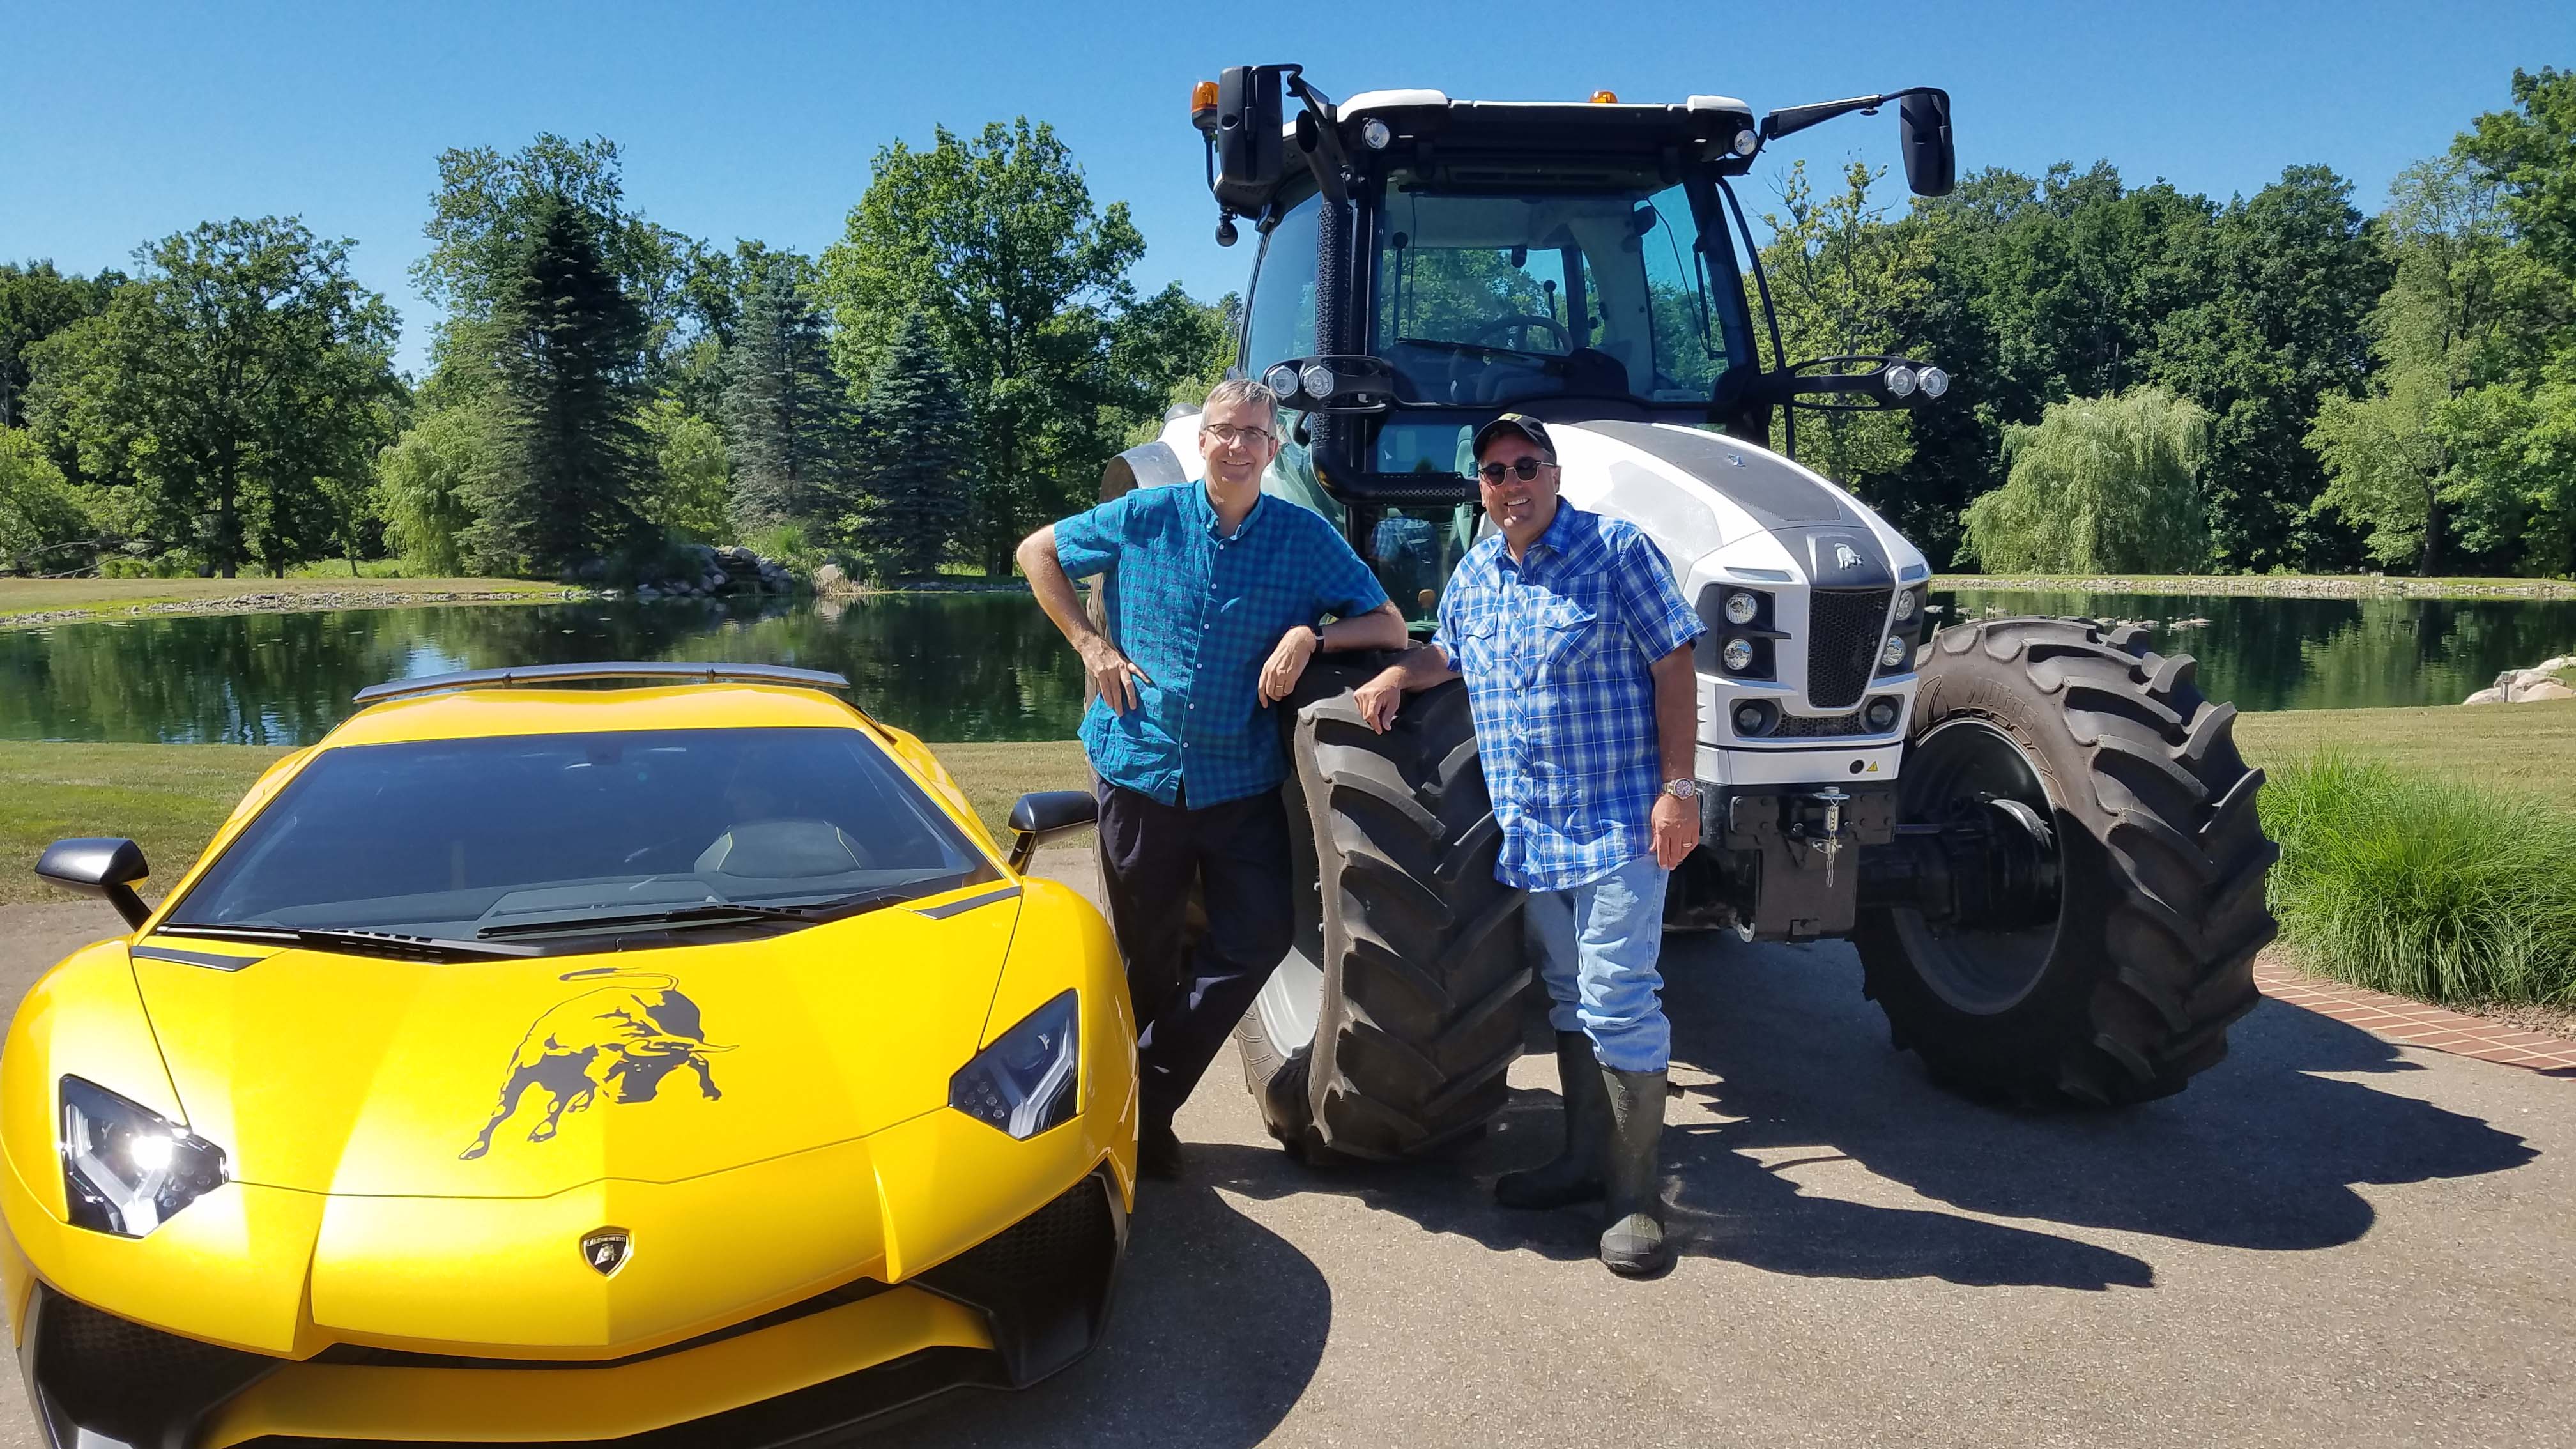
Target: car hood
[357,1075]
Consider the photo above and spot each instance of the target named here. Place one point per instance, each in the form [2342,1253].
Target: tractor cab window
[1280,320]
[1485,297]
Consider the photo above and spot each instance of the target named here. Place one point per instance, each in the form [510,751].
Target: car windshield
[501,836]
[1487,297]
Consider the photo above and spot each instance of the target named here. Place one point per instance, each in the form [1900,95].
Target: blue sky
[129,122]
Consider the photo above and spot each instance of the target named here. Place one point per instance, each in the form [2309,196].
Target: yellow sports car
[680,1064]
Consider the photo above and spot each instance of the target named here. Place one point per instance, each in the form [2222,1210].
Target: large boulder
[2488,695]
[2544,689]
[829,579]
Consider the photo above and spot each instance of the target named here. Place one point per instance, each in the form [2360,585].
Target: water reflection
[990,667]
[950,666]
[2271,653]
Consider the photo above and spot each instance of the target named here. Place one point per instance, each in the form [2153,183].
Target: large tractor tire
[1393,1039]
[2146,837]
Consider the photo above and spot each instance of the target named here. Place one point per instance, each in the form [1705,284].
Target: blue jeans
[1596,946]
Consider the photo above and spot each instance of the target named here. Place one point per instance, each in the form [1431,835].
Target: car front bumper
[1019,1306]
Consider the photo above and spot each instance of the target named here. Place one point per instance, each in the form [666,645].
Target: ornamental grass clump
[2406,882]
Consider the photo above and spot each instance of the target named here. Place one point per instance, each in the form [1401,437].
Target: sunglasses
[1525,470]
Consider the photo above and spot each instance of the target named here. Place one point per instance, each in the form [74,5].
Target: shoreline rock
[2541,681]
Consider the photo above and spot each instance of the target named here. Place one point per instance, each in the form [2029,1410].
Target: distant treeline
[2147,380]
[953,370]
[2175,384]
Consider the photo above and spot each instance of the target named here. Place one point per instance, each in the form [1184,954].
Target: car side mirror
[1923,135]
[1250,160]
[98,866]
[1041,815]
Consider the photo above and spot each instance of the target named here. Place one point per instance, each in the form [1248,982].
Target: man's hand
[1287,664]
[1112,674]
[1380,698]
[1676,829]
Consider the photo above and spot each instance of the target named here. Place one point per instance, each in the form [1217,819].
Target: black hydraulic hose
[1770,315]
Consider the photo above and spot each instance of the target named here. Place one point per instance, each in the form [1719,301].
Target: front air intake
[1845,628]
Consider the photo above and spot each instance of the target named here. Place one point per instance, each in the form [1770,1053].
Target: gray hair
[1243,390]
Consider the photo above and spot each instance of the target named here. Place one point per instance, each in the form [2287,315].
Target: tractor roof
[1702,126]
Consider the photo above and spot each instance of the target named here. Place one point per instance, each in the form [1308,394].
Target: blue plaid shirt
[1555,649]
[1200,614]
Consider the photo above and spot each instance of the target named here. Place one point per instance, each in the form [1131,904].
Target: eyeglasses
[1233,437]
[1525,470]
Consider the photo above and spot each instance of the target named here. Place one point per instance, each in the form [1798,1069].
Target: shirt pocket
[1479,642]
[1567,636]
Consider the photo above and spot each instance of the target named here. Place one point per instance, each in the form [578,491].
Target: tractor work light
[1281,380]
[1892,653]
[1900,379]
[1881,715]
[1737,656]
[1374,134]
[1740,608]
[1319,380]
[1933,381]
[1746,142]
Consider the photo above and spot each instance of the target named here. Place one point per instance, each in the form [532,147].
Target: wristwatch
[1682,787]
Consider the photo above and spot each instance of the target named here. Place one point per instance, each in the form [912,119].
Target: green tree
[234,381]
[426,483]
[690,493]
[1168,350]
[2100,485]
[36,301]
[920,445]
[995,240]
[787,423]
[43,526]
[1843,281]
[2387,461]
[566,355]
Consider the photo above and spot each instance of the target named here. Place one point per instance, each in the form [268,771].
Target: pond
[988,666]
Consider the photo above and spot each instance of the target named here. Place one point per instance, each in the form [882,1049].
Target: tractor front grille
[1845,628]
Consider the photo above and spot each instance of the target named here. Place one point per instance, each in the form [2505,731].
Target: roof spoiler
[663,671]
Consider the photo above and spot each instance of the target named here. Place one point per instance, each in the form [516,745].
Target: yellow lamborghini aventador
[678,1063]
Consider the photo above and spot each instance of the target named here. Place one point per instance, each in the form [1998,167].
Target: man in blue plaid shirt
[1576,649]
[1213,592]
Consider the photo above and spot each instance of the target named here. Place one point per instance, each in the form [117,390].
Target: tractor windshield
[1484,297]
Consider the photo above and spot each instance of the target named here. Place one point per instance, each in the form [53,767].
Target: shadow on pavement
[2258,1153]
[1184,1363]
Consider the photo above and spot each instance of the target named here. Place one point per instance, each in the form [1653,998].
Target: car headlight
[126,1168]
[1024,1082]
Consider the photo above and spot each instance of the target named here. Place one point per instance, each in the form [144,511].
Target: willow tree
[2099,485]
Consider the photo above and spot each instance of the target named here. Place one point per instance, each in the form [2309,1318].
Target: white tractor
[2037,832]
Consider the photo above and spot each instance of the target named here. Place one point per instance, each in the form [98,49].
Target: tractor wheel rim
[1957,766]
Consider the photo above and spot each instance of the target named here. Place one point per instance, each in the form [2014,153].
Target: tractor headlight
[1024,1082]
[1905,605]
[1933,381]
[1900,379]
[1737,655]
[1740,608]
[127,1168]
[1281,380]
[1892,653]
[1318,379]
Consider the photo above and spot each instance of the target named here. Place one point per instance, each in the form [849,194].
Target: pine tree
[571,453]
[920,446]
[786,409]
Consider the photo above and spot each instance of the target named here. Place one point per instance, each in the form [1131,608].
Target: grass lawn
[19,597]
[2284,584]
[2522,748]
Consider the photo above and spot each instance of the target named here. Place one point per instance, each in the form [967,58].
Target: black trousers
[1186,1007]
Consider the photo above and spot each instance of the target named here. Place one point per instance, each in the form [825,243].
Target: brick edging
[2412,1023]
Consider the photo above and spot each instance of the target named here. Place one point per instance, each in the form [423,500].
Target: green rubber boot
[1575,1175]
[1633,1244]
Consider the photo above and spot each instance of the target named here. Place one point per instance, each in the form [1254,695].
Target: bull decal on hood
[622,1038]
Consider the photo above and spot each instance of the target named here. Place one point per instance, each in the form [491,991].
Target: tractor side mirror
[98,866]
[1042,815]
[1923,134]
[1249,120]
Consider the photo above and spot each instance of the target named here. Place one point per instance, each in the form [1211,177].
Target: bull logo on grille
[1846,557]
[622,1038]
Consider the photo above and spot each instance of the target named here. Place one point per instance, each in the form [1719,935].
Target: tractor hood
[350,1074]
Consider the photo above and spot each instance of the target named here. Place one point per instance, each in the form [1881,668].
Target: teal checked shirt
[1199,614]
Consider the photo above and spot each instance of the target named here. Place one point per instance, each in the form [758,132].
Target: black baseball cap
[1521,423]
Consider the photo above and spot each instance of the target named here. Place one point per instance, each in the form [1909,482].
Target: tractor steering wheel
[1519,324]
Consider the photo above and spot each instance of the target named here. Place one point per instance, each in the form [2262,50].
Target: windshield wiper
[394,944]
[713,913]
